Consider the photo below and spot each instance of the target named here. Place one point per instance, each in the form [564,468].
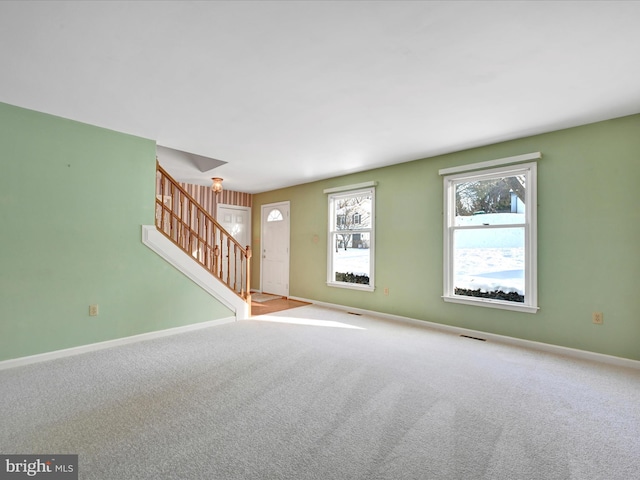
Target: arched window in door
[275,215]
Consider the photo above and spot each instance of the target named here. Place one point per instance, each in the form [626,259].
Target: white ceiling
[293,91]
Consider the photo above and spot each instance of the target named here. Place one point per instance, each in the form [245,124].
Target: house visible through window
[351,235]
[490,238]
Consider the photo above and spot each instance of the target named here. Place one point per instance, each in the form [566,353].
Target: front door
[275,249]
[237,221]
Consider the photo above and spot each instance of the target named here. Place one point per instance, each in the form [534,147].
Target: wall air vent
[474,338]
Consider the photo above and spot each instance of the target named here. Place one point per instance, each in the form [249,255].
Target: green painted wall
[73,198]
[588,240]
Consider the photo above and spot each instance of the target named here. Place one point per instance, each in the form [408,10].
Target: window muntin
[490,238]
[351,239]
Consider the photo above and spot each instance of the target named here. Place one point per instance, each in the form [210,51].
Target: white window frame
[530,304]
[339,193]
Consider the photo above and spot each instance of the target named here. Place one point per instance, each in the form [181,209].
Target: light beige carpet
[316,394]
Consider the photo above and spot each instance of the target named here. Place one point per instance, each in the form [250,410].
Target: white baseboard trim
[545,347]
[92,347]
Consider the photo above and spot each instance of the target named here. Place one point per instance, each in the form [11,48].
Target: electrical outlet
[597,318]
[386,291]
[93,310]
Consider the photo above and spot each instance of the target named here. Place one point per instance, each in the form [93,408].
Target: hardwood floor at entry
[277,305]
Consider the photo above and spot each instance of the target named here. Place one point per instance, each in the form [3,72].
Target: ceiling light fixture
[217,185]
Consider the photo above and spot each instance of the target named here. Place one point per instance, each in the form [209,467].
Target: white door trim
[264,210]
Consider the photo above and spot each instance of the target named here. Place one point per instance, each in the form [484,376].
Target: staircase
[193,230]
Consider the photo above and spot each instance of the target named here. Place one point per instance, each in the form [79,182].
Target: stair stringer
[164,247]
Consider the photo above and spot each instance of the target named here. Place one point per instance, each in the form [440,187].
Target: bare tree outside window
[490,237]
[353,213]
[351,239]
[489,196]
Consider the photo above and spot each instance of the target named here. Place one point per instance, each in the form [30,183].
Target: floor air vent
[474,338]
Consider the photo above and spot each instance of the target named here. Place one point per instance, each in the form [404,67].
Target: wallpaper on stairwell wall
[205,197]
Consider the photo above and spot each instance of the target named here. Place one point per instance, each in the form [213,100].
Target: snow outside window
[351,242]
[490,238]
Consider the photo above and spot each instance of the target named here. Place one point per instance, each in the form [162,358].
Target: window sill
[492,304]
[352,286]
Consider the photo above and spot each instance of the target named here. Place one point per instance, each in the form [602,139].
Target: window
[351,232]
[490,237]
[275,215]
